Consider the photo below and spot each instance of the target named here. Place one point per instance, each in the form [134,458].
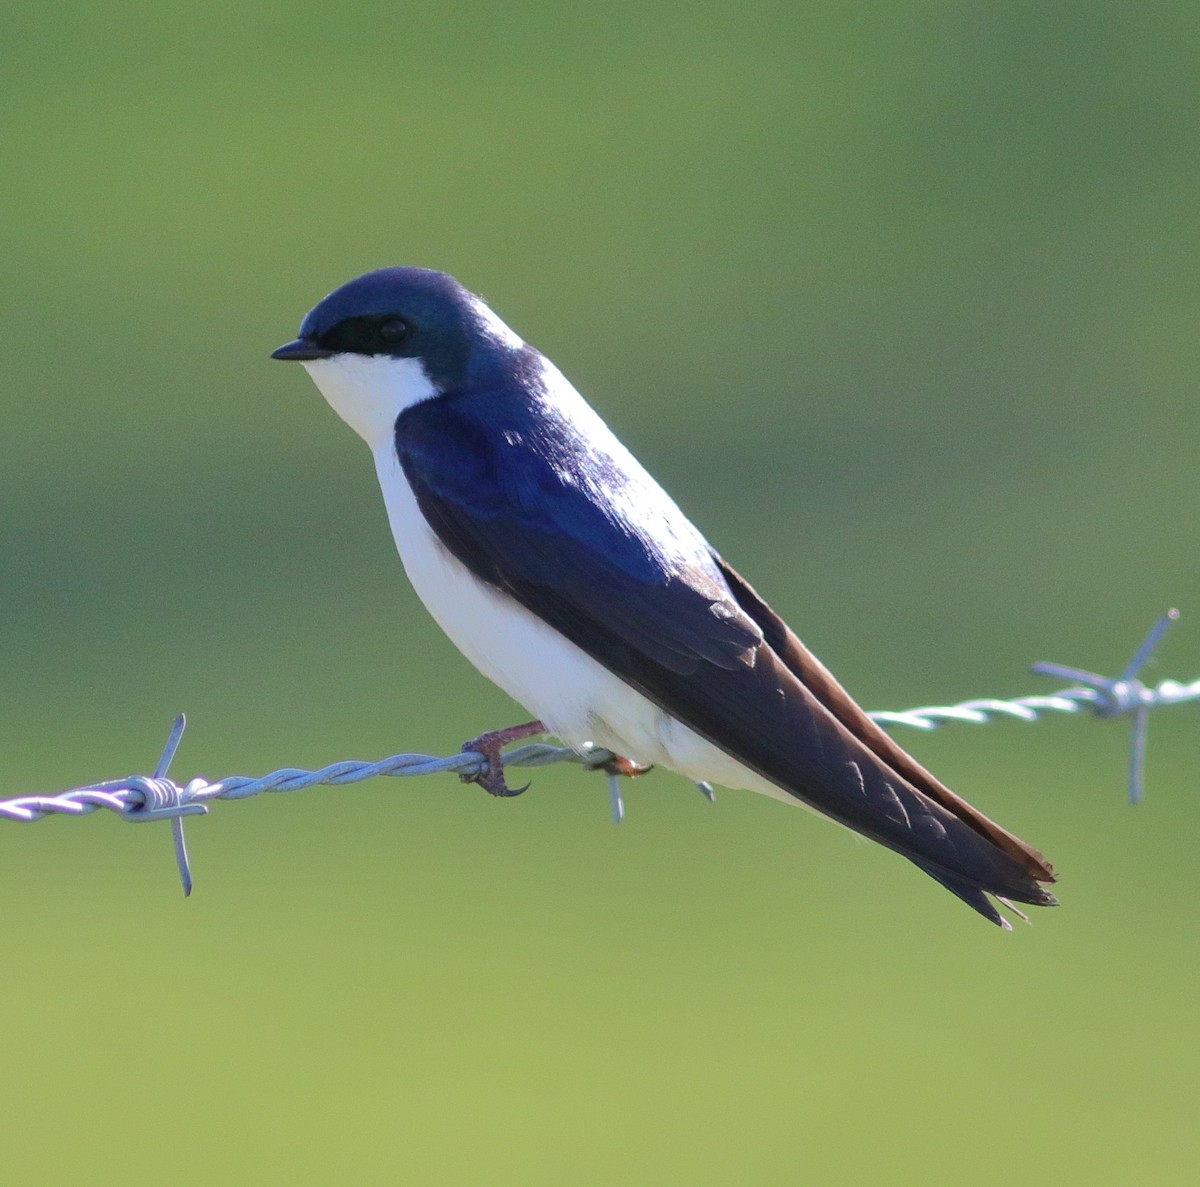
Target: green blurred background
[898,299]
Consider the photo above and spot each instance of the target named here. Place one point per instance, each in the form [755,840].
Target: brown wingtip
[825,687]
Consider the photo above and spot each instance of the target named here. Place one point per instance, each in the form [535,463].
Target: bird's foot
[614,768]
[617,765]
[491,776]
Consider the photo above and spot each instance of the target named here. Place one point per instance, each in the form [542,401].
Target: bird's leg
[491,777]
[617,765]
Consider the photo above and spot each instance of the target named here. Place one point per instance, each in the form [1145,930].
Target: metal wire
[139,798]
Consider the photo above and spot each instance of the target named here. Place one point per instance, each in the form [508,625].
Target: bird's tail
[975,898]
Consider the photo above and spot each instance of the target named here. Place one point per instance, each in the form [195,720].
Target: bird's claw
[619,765]
[490,776]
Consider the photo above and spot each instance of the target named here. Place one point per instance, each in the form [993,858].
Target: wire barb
[163,800]
[1125,694]
[141,798]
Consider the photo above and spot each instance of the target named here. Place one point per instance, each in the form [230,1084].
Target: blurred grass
[899,301]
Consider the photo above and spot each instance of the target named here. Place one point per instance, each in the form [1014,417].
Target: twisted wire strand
[142,798]
[1069,700]
[139,798]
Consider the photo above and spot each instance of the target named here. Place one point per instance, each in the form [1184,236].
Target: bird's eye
[393,329]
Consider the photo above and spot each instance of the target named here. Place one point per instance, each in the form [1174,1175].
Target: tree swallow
[570,578]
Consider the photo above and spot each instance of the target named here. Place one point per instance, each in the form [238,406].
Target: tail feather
[975,898]
[821,683]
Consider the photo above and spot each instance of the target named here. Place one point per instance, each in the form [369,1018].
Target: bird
[569,577]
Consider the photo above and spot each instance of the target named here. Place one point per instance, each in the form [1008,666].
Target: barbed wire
[144,798]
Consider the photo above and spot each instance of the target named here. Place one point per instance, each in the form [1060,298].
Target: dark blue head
[402,313]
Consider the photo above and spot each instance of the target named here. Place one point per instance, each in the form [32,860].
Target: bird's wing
[807,668]
[593,547]
[566,533]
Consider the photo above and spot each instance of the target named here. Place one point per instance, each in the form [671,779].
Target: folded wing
[588,542]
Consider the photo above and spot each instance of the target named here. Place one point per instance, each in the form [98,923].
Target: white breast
[579,699]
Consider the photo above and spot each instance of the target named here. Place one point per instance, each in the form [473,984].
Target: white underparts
[577,697]
[369,391]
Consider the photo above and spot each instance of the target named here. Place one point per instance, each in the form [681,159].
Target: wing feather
[813,674]
[589,543]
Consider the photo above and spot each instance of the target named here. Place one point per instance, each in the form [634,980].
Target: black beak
[299,350]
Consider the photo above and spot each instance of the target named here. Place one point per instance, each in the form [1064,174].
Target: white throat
[369,391]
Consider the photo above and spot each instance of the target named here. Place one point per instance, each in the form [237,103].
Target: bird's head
[392,338]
